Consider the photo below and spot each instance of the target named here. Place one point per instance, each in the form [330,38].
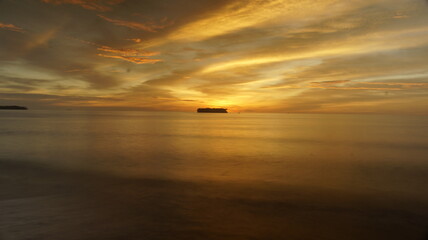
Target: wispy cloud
[136,40]
[96,5]
[138,56]
[131,55]
[404,84]
[360,85]
[11,27]
[128,51]
[256,55]
[149,26]
[137,60]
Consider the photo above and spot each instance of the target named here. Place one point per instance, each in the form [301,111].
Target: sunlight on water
[154,175]
[334,151]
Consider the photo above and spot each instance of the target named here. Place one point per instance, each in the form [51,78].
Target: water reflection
[335,151]
[192,176]
[72,205]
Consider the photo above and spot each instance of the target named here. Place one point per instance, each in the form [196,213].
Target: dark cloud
[97,5]
[76,36]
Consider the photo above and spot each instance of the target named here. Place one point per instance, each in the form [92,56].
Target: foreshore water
[163,175]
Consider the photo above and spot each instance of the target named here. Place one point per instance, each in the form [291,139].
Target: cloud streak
[127,51]
[137,60]
[250,55]
[96,5]
[11,27]
[130,55]
[149,26]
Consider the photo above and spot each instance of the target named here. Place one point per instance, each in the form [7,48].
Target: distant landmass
[212,110]
[13,108]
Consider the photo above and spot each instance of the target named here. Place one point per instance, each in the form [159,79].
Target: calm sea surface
[359,152]
[373,155]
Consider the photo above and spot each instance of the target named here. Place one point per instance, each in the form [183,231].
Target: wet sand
[38,202]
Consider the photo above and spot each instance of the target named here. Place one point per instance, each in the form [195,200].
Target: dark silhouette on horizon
[13,108]
[212,110]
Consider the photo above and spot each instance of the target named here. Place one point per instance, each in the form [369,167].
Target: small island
[13,108]
[212,110]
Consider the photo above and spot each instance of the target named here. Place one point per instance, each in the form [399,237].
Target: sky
[298,56]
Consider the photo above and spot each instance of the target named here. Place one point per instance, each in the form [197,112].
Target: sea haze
[164,175]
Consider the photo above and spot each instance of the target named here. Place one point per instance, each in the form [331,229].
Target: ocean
[169,175]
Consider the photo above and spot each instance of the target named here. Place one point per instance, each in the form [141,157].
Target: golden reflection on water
[357,152]
[212,176]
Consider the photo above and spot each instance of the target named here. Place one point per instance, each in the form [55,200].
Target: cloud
[136,40]
[275,55]
[404,84]
[172,79]
[42,38]
[355,88]
[359,85]
[148,26]
[137,60]
[242,14]
[354,101]
[19,82]
[130,55]
[53,100]
[128,51]
[97,5]
[331,82]
[11,27]
[152,97]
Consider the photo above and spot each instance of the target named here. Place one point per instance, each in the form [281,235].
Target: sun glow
[280,55]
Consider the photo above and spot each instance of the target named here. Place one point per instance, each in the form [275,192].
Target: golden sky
[332,56]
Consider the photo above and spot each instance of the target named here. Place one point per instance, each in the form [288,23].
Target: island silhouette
[13,108]
[212,110]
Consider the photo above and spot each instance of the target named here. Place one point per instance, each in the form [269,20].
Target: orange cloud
[368,85]
[149,26]
[137,56]
[131,55]
[354,88]
[137,40]
[137,60]
[11,27]
[399,15]
[405,84]
[97,5]
[128,51]
[331,82]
